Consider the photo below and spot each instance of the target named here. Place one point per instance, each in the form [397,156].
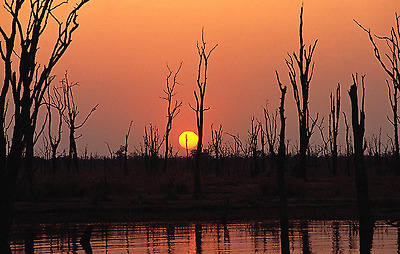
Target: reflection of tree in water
[148,239]
[336,237]
[29,240]
[198,233]
[170,230]
[224,246]
[104,236]
[398,239]
[352,235]
[227,239]
[255,230]
[127,238]
[305,239]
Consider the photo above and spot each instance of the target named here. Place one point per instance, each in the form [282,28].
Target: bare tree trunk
[28,84]
[262,141]
[9,183]
[363,202]
[306,68]
[390,64]
[280,158]
[348,146]
[172,109]
[253,138]
[126,149]
[284,221]
[70,118]
[29,153]
[216,141]
[201,84]
[393,98]
[54,162]
[334,128]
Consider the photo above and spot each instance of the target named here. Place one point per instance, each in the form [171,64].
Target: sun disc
[188,139]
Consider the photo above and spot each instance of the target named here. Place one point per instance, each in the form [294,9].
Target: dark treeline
[107,168]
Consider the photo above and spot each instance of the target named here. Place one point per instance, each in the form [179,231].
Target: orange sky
[120,50]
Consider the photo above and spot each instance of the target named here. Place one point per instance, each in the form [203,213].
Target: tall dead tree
[200,108]
[55,101]
[280,157]
[363,201]
[334,128]
[152,145]
[126,149]
[390,64]
[253,145]
[27,81]
[70,119]
[173,108]
[349,148]
[301,87]
[216,143]
[262,144]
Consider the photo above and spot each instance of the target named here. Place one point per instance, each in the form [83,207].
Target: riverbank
[168,197]
[186,209]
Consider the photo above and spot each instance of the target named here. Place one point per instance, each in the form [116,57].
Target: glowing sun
[188,139]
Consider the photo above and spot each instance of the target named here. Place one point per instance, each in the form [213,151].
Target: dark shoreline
[79,211]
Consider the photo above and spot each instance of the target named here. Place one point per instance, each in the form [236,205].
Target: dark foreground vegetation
[101,191]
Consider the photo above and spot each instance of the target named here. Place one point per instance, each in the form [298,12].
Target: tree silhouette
[334,128]
[349,148]
[55,101]
[125,149]
[253,145]
[152,145]
[390,64]
[306,68]
[363,202]
[199,109]
[216,147]
[173,108]
[280,157]
[28,82]
[70,119]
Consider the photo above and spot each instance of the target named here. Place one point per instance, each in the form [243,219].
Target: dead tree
[112,161]
[262,144]
[326,142]
[27,81]
[152,145]
[173,108]
[200,108]
[55,101]
[363,202]
[70,119]
[126,149]
[394,121]
[280,157]
[253,145]
[237,151]
[390,64]
[349,148]
[303,60]
[334,128]
[216,143]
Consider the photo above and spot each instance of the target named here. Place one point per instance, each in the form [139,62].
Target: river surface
[202,237]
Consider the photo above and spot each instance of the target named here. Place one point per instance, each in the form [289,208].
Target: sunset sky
[120,51]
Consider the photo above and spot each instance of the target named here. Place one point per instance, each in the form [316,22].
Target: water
[202,237]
